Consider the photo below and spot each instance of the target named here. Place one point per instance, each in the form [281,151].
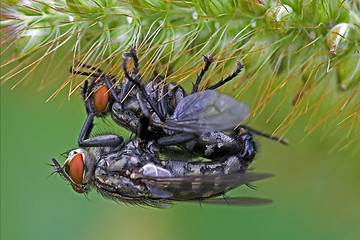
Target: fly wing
[203,186]
[203,111]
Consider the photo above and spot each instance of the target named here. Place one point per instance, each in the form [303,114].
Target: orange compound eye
[76,168]
[101,98]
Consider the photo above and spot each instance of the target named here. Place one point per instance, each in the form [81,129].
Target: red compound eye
[76,169]
[101,98]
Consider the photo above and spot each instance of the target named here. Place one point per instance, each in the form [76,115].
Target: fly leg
[144,120]
[229,78]
[283,141]
[91,74]
[98,71]
[132,54]
[163,99]
[85,141]
[128,84]
[176,139]
[88,125]
[124,91]
[208,61]
[110,140]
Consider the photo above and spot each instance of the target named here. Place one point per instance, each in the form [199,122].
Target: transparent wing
[199,187]
[205,111]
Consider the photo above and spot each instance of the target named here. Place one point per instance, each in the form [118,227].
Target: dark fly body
[133,173]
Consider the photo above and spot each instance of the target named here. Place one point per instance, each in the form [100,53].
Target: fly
[133,173]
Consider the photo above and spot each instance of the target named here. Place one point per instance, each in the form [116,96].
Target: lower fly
[133,173]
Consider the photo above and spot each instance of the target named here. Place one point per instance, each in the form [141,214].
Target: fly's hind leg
[227,79]
[208,61]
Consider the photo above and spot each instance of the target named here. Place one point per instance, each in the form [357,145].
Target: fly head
[78,169]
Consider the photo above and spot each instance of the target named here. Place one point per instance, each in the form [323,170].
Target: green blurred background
[316,193]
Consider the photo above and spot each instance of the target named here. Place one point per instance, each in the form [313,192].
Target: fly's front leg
[97,73]
[110,140]
[125,91]
[141,88]
[88,125]
[84,141]
[128,84]
[86,129]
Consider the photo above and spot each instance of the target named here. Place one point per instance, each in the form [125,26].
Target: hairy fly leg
[141,88]
[128,84]
[156,85]
[229,78]
[249,129]
[208,61]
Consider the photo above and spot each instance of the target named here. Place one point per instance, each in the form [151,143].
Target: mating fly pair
[161,115]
